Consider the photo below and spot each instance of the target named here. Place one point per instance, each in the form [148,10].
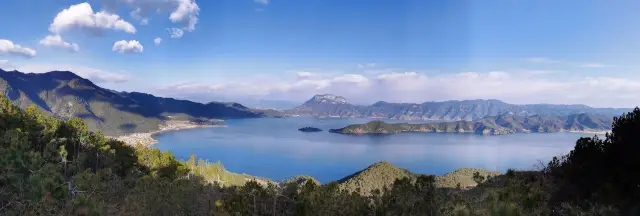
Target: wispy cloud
[569,63]
[540,72]
[594,65]
[184,12]
[264,2]
[541,60]
[175,33]
[366,65]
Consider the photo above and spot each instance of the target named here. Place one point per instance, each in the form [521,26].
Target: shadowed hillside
[64,94]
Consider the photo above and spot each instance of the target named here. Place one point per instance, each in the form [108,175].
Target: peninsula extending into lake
[147,139]
[494,125]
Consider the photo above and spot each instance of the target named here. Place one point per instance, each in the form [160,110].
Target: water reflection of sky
[274,148]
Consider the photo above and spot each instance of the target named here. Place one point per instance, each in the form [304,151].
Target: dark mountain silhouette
[64,94]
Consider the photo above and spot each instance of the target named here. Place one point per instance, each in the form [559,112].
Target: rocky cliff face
[326,106]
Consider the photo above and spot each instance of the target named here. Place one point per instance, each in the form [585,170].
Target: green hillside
[384,174]
[493,125]
[376,176]
[463,177]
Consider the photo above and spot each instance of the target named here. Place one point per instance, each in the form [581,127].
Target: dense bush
[601,174]
[50,166]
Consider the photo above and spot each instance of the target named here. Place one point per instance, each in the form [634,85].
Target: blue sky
[406,51]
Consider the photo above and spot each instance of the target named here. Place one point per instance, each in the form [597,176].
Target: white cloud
[175,32]
[56,41]
[157,41]
[82,16]
[264,2]
[414,87]
[184,12]
[93,74]
[123,46]
[8,47]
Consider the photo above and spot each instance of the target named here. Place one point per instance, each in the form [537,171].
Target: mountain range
[492,125]
[328,105]
[64,94]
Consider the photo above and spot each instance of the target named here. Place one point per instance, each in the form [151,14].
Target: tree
[602,172]
[478,178]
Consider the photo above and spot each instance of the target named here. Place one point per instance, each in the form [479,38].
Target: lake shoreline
[148,139]
[590,132]
[473,133]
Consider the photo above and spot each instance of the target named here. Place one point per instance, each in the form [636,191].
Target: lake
[274,148]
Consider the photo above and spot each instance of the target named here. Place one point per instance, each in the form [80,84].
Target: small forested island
[310,129]
[494,125]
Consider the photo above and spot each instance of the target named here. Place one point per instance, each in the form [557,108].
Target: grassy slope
[383,174]
[376,176]
[462,176]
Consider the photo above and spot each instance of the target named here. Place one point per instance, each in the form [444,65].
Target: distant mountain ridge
[336,106]
[64,94]
[492,125]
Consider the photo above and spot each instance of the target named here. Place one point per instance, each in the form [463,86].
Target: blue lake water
[274,148]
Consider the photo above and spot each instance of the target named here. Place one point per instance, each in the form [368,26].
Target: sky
[522,52]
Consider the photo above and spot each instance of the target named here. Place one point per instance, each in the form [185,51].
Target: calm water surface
[274,148]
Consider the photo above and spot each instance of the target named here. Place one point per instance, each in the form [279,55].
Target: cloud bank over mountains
[414,87]
[97,76]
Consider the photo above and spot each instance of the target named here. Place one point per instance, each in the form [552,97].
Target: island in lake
[494,125]
[310,129]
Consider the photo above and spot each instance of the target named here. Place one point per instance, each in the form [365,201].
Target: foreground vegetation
[57,167]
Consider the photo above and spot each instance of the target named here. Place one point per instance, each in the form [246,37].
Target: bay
[274,148]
